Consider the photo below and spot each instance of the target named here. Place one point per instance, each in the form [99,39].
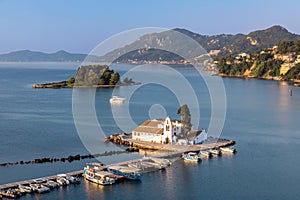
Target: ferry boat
[191,156]
[215,151]
[94,172]
[131,173]
[228,149]
[206,154]
[117,100]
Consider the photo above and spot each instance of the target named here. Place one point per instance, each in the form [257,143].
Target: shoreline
[293,82]
[59,85]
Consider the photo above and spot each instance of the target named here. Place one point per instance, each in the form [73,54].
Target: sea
[261,117]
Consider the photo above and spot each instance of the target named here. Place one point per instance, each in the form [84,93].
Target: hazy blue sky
[78,26]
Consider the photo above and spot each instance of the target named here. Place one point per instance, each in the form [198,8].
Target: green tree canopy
[185,114]
[114,78]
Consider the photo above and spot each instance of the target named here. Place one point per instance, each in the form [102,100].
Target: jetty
[126,140]
[169,153]
[15,184]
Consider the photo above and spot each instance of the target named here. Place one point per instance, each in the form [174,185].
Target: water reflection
[284,98]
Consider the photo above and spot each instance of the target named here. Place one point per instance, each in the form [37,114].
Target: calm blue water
[261,117]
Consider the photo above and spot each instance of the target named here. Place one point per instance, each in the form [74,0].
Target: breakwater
[69,158]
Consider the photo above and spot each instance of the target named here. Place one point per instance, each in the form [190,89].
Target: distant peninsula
[97,76]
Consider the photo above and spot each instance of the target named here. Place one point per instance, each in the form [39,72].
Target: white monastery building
[166,131]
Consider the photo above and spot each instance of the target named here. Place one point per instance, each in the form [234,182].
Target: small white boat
[25,188]
[39,188]
[206,154]
[155,165]
[116,100]
[10,193]
[191,156]
[215,151]
[61,180]
[73,180]
[162,161]
[228,149]
[51,184]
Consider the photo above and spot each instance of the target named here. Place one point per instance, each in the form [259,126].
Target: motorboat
[10,193]
[51,184]
[73,180]
[191,156]
[117,100]
[230,149]
[131,173]
[61,180]
[215,151]
[25,188]
[39,188]
[101,177]
[206,154]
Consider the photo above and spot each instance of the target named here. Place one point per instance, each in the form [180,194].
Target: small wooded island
[100,76]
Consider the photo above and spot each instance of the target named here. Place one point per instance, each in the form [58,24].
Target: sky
[79,26]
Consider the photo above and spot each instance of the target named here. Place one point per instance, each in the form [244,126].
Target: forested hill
[215,45]
[281,62]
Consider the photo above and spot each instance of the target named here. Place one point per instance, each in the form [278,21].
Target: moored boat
[39,188]
[25,188]
[206,154]
[51,184]
[61,180]
[94,172]
[230,149]
[73,180]
[215,151]
[116,100]
[191,156]
[10,193]
[131,173]
[162,161]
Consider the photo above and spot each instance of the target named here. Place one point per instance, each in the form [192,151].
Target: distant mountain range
[216,45]
[33,56]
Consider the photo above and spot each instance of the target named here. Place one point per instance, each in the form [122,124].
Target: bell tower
[168,131]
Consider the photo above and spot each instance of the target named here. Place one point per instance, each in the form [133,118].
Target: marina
[97,173]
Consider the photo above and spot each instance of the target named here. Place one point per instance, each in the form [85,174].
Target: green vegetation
[90,75]
[281,62]
[289,46]
[293,73]
[185,114]
[96,75]
[234,69]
